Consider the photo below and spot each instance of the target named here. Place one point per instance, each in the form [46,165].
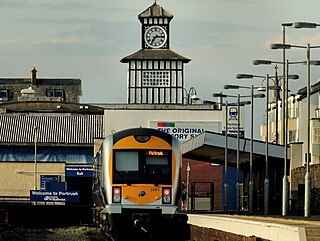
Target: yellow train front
[138,178]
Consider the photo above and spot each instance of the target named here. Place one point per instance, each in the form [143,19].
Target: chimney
[34,75]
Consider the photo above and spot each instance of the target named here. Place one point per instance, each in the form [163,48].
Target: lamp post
[252,95]
[297,25]
[226,186]
[35,156]
[266,181]
[285,119]
[188,184]
[307,197]
[191,95]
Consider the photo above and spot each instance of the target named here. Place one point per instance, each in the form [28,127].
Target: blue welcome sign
[79,171]
[54,196]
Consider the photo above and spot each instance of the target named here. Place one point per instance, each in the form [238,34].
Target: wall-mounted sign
[233,115]
[54,196]
[184,130]
[46,179]
[79,171]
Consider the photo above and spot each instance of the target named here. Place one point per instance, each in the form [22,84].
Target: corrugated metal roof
[51,128]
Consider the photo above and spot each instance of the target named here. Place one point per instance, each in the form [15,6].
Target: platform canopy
[210,147]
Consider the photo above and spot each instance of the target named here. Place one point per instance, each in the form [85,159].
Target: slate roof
[155,54]
[41,81]
[155,10]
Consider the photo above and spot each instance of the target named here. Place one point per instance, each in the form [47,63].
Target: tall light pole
[266,181]
[307,197]
[35,156]
[188,184]
[285,120]
[226,186]
[297,25]
[252,96]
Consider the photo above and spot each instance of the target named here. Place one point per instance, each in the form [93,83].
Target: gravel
[81,233]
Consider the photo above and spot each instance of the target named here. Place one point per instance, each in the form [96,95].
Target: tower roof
[155,10]
[155,54]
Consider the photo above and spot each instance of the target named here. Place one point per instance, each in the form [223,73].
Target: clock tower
[156,73]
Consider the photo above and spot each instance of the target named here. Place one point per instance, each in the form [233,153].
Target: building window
[55,93]
[156,78]
[4,95]
[316,135]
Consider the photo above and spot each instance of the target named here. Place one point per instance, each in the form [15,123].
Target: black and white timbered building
[156,73]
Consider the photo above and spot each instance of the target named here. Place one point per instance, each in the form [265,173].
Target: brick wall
[297,188]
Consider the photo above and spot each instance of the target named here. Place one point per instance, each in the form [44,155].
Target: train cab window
[158,169]
[141,166]
[126,165]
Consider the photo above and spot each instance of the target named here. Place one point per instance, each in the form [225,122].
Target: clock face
[155,37]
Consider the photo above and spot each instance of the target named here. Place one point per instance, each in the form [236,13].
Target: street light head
[280,46]
[247,102]
[244,76]
[286,24]
[209,102]
[260,61]
[219,95]
[194,98]
[261,88]
[304,25]
[259,96]
[312,62]
[293,76]
[231,87]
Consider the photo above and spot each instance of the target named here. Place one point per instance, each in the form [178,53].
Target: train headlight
[166,195]
[116,194]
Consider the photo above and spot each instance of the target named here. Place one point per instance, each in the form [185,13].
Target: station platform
[275,228]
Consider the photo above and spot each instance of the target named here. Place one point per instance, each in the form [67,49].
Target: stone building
[40,89]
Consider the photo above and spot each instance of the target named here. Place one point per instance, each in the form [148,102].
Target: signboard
[45,179]
[78,171]
[184,130]
[234,133]
[54,196]
[233,122]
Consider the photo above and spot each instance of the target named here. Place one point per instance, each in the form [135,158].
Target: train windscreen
[142,166]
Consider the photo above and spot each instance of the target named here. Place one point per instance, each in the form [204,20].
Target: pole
[226,163]
[266,180]
[283,84]
[188,183]
[277,100]
[251,153]
[307,195]
[35,156]
[285,182]
[238,160]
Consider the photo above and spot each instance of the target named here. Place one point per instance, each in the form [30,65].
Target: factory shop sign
[182,133]
[54,196]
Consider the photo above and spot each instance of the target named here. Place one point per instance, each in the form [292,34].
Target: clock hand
[154,38]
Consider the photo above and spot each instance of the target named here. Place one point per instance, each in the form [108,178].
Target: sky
[87,40]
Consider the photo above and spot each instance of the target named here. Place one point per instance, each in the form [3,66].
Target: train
[137,179]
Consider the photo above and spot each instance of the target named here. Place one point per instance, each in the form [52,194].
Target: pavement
[276,228]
